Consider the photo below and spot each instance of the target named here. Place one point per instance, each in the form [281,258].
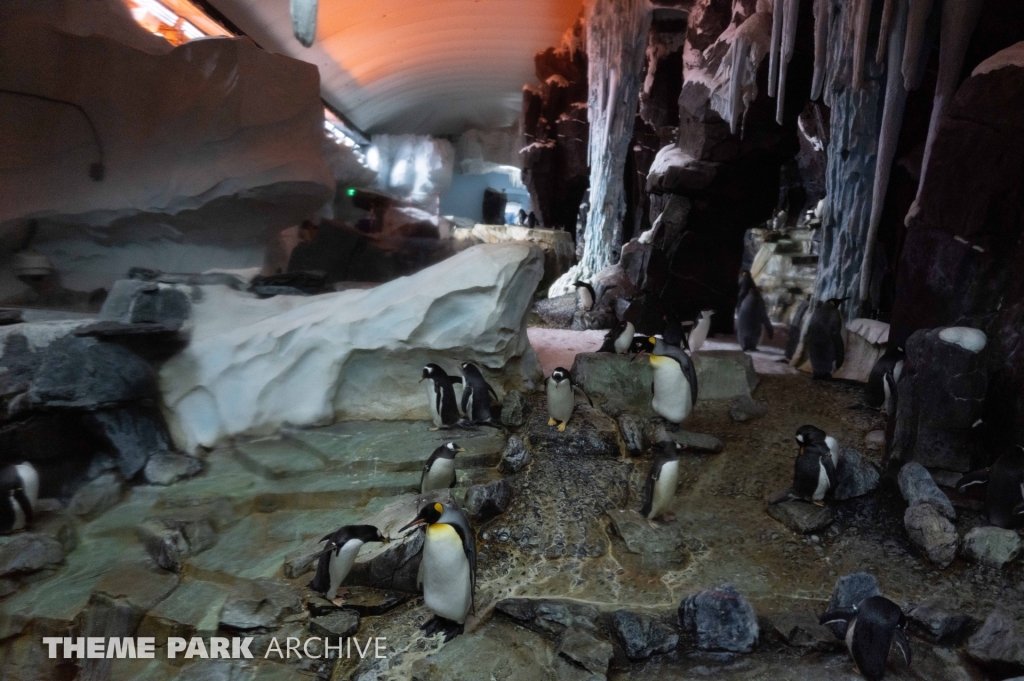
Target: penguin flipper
[608,345]
[321,582]
[691,377]
[903,643]
[1019,509]
[972,479]
[491,390]
[837,615]
[837,345]
[456,379]
[830,471]
[788,495]
[26,506]
[583,392]
[766,321]
[652,478]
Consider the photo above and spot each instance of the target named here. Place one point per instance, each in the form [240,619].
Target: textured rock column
[616,44]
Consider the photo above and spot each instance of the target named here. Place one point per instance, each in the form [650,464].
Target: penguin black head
[807,435]
[745,276]
[432,371]
[367,534]
[452,448]
[642,344]
[560,374]
[428,515]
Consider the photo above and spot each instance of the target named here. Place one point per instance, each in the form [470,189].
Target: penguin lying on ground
[448,567]
[662,480]
[806,435]
[675,380]
[439,471]
[338,556]
[1003,484]
[585,296]
[561,393]
[873,628]
[619,338]
[19,493]
[751,314]
[877,393]
[476,395]
[700,331]
[441,396]
[814,473]
[824,338]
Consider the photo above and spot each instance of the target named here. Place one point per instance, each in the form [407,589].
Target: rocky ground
[572,583]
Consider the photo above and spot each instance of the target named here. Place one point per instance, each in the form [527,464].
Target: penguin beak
[421,379]
[418,521]
[460,449]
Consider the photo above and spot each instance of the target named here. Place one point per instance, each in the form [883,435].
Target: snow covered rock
[356,354]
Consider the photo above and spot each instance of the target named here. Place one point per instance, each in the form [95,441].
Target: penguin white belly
[625,338]
[440,475]
[671,391]
[560,401]
[447,584]
[19,515]
[30,481]
[699,334]
[833,449]
[432,401]
[586,300]
[469,403]
[887,405]
[849,635]
[822,488]
[665,489]
[341,564]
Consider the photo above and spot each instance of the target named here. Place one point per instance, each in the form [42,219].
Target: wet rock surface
[992,546]
[802,516]
[166,468]
[720,619]
[936,621]
[515,409]
[642,636]
[998,645]
[484,502]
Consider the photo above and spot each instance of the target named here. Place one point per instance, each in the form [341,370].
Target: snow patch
[972,340]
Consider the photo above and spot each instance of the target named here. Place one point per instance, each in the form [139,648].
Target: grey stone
[549,616]
[484,502]
[935,622]
[133,431]
[610,377]
[642,636]
[299,562]
[590,433]
[698,442]
[632,433]
[515,457]
[29,552]
[720,619]
[848,592]
[802,516]
[918,487]
[515,409]
[654,548]
[582,648]
[336,625]
[724,374]
[857,476]
[799,629]
[106,618]
[166,468]
[992,546]
[365,600]
[191,609]
[498,650]
[132,301]
[171,541]
[97,495]
[746,408]
[998,645]
[260,604]
[932,533]
[8,317]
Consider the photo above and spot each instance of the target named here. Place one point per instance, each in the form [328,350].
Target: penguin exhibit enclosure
[511,340]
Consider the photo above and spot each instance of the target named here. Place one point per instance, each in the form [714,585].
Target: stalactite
[860,41]
[740,50]
[892,121]
[773,60]
[884,30]
[792,12]
[917,19]
[304,20]
[822,14]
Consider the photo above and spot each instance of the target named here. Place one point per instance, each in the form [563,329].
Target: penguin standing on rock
[1003,484]
[585,295]
[448,567]
[751,314]
[873,629]
[814,473]
[561,393]
[338,556]
[824,338]
[476,395]
[807,435]
[700,331]
[444,409]
[19,493]
[439,471]
[619,338]
[675,380]
[662,480]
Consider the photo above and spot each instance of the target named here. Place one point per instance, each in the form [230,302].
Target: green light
[350,191]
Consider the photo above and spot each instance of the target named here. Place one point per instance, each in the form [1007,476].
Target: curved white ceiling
[417,66]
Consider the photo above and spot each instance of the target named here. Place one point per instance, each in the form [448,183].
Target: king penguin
[444,409]
[339,554]
[700,331]
[824,338]
[476,395]
[662,480]
[439,471]
[675,380]
[1003,484]
[19,493]
[619,338]
[561,393]
[585,295]
[751,314]
[873,628]
[448,567]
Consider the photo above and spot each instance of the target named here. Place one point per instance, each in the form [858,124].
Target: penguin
[892,377]
[339,554]
[448,567]
[662,480]
[19,492]
[824,338]
[673,333]
[873,627]
[675,380]
[619,338]
[1003,484]
[795,329]
[444,409]
[751,314]
[700,331]
[585,295]
[439,471]
[476,395]
[561,397]
[531,220]
[806,435]
[814,474]
[876,394]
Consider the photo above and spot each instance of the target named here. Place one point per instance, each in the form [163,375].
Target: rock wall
[415,168]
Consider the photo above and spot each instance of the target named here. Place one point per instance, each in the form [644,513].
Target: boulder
[746,408]
[918,487]
[724,374]
[799,628]
[652,549]
[470,307]
[720,619]
[557,312]
[166,468]
[857,476]
[548,615]
[933,620]
[170,541]
[802,516]
[849,591]
[582,648]
[335,626]
[484,502]
[135,301]
[697,442]
[29,552]
[632,433]
[97,495]
[998,645]
[515,409]
[992,546]
[559,249]
[931,532]
[590,433]
[515,456]
[642,636]
[260,604]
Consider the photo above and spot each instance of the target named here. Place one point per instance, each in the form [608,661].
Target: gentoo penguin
[700,330]
[476,395]
[441,396]
[662,480]
[814,474]
[585,295]
[824,338]
[619,338]
[561,392]
[751,314]
[795,329]
[876,394]
[448,567]
[439,471]
[19,493]
[806,435]
[675,380]
[873,628]
[1003,484]
[339,554]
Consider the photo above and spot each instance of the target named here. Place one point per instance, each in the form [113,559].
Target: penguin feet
[339,599]
[551,421]
[434,429]
[561,427]
[449,628]
[668,517]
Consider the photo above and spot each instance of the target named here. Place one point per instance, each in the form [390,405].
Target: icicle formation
[892,121]
[773,61]
[917,19]
[304,20]
[790,14]
[883,31]
[749,45]
[860,41]
[822,15]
